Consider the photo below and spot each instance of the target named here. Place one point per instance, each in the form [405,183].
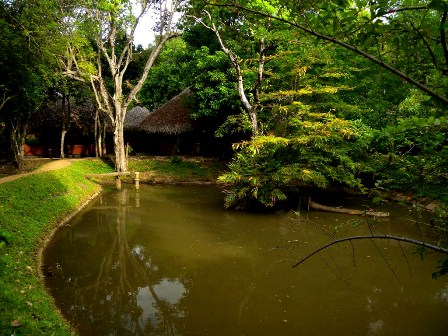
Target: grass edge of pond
[32,208]
[35,206]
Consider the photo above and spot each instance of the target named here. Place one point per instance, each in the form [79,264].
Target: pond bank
[32,206]
[35,205]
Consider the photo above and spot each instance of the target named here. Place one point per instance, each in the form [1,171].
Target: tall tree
[29,42]
[111,27]
[390,33]
[264,44]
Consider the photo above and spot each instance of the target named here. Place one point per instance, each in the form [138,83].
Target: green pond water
[169,260]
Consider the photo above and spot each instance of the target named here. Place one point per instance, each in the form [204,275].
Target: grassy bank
[176,169]
[29,210]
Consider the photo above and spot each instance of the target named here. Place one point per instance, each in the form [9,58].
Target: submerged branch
[369,213]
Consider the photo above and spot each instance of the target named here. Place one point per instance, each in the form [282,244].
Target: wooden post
[127,155]
[118,182]
[137,180]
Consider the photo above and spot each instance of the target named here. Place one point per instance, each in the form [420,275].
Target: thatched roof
[134,117]
[172,118]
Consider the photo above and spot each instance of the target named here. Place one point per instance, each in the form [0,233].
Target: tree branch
[443,37]
[261,61]
[164,37]
[388,237]
[372,58]
[247,106]
[428,47]
[5,99]
[403,9]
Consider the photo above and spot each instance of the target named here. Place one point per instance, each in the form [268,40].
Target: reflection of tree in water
[112,303]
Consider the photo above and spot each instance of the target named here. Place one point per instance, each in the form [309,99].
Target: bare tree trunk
[99,135]
[63,128]
[251,109]
[65,123]
[97,147]
[18,136]
[103,146]
[119,145]
[369,213]
[63,133]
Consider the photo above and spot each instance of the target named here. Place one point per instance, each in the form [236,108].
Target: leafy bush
[417,157]
[320,150]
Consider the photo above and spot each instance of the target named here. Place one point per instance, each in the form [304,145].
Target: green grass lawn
[176,169]
[29,210]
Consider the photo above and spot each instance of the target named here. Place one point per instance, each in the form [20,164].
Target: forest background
[323,94]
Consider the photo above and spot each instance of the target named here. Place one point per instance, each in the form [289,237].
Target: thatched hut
[134,136]
[167,130]
[170,130]
[134,117]
[173,118]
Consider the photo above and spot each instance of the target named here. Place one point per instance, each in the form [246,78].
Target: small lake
[169,260]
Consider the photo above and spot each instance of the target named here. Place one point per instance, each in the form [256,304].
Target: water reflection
[123,291]
[170,261]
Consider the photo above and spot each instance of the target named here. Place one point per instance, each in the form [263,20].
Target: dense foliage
[319,150]
[346,94]
[339,64]
[352,93]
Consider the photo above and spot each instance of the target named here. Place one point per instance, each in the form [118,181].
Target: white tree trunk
[18,136]
[97,146]
[63,133]
[119,144]
[102,141]
[247,106]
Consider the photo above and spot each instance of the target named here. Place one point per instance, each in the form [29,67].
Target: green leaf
[439,5]
[359,4]
[368,42]
[336,25]
[377,199]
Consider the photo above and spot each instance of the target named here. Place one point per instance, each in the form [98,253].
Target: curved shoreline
[33,208]
[43,243]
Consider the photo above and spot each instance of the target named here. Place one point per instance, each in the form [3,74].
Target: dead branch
[368,213]
[396,238]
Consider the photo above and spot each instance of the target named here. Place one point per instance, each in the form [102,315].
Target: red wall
[78,150]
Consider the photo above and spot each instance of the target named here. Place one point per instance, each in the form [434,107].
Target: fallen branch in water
[369,213]
[400,239]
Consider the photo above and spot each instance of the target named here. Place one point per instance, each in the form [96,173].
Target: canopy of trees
[317,94]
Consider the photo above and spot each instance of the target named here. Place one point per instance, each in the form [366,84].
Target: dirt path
[53,165]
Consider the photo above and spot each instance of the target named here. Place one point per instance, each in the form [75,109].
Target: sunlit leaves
[319,150]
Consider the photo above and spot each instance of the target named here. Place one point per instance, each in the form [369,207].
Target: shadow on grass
[108,160]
